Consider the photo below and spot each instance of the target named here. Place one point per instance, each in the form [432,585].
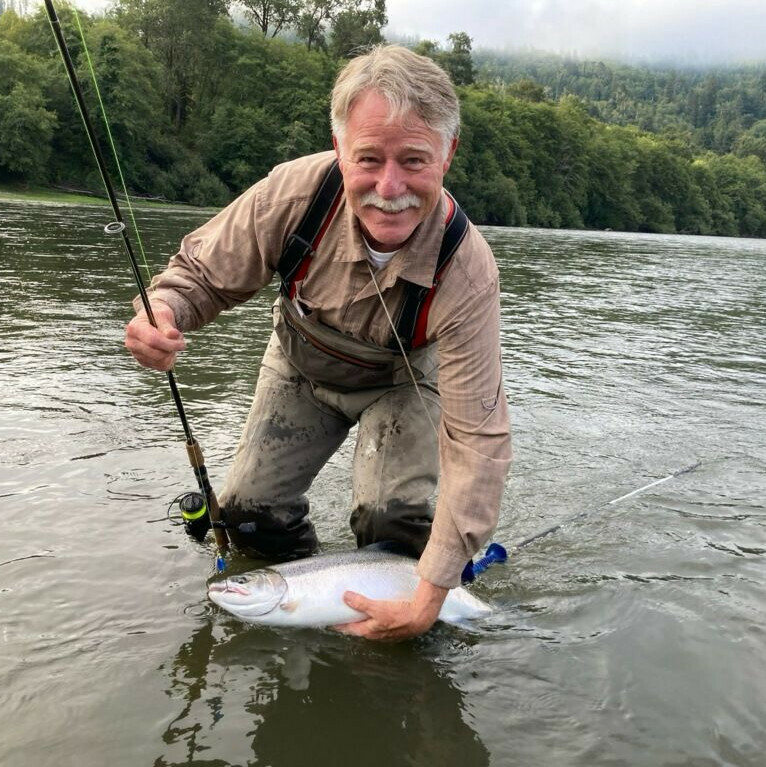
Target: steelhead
[309,592]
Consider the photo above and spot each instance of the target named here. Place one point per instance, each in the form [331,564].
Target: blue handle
[495,553]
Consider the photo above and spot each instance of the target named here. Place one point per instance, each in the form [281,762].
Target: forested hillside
[721,108]
[202,103]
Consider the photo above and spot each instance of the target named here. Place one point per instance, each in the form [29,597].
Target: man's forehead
[372,105]
[370,143]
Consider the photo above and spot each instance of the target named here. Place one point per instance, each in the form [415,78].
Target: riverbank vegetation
[205,96]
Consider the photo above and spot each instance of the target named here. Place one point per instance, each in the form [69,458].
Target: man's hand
[155,347]
[391,620]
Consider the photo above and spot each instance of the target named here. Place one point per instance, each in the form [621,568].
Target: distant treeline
[722,109]
[201,106]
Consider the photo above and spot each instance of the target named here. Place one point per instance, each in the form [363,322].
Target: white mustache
[398,204]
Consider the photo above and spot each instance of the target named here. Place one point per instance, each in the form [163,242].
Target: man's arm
[475,451]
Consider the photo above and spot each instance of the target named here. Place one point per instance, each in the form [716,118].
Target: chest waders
[343,381]
[328,357]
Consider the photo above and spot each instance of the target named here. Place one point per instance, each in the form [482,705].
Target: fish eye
[239,578]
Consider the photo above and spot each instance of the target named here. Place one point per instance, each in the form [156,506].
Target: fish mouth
[253,594]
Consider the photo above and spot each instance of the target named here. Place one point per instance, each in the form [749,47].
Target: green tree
[296,141]
[489,174]
[428,48]
[127,76]
[611,200]
[457,60]
[11,25]
[239,144]
[26,124]
[26,129]
[16,66]
[653,182]
[723,220]
[273,105]
[178,33]
[752,142]
[272,16]
[526,89]
[571,160]
[741,182]
[313,19]
[33,33]
[356,30]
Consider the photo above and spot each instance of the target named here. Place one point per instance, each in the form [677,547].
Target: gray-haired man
[385,236]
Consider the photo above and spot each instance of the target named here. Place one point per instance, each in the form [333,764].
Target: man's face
[392,170]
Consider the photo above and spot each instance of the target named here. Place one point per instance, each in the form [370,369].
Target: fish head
[250,596]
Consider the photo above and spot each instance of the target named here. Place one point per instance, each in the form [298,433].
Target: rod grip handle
[197,461]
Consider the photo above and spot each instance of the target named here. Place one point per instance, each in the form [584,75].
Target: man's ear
[336,147]
[450,154]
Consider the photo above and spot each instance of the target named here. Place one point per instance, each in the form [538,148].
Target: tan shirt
[228,259]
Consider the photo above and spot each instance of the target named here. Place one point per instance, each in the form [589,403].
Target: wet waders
[315,384]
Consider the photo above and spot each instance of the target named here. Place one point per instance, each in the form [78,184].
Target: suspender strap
[295,260]
[301,244]
[412,319]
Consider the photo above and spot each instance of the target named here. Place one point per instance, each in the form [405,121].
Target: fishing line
[553,528]
[499,554]
[115,154]
[47,554]
[404,353]
[194,452]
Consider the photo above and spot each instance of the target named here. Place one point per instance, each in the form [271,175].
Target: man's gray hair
[408,82]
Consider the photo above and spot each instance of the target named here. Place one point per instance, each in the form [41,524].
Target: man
[335,358]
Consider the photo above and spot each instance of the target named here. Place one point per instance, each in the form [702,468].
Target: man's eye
[367,161]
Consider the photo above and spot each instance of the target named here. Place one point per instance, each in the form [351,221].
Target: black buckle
[302,247]
[296,251]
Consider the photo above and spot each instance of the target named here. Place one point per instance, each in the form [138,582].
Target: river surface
[635,635]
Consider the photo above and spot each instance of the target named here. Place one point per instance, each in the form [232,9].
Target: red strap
[300,273]
[303,269]
[421,323]
[419,336]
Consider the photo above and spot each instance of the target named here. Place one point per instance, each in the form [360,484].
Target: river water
[635,635]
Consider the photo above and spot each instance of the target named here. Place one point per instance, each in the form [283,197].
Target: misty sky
[703,30]
[696,31]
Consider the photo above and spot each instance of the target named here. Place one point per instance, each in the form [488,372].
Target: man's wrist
[428,600]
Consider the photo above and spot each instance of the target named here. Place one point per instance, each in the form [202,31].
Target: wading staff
[118,227]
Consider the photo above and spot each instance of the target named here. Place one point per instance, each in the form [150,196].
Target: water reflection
[247,695]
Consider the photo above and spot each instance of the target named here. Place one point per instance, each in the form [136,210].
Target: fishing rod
[554,528]
[200,512]
[497,554]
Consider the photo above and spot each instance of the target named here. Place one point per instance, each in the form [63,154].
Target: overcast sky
[717,30]
[696,31]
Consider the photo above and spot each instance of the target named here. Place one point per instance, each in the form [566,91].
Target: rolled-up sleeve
[474,436]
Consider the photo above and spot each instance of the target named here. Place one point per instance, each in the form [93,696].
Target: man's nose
[391,182]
